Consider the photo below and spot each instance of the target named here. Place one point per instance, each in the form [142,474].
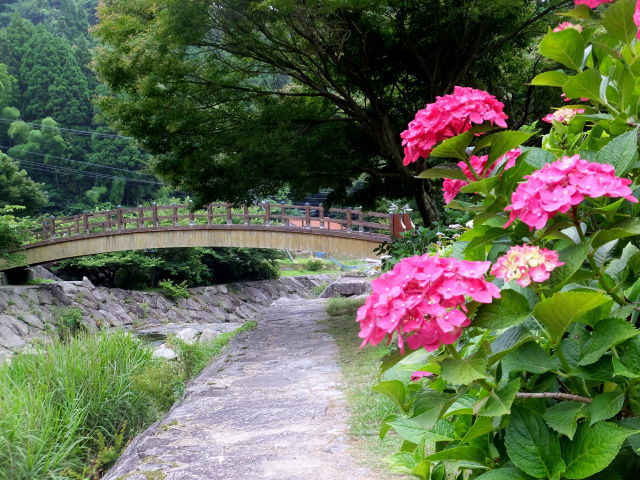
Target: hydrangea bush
[519,353]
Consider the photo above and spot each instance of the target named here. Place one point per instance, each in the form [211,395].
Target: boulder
[9,340]
[207,335]
[164,352]
[188,335]
[348,288]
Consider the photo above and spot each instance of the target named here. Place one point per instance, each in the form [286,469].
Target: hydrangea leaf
[554,78]
[532,446]
[573,258]
[444,172]
[509,310]
[468,454]
[592,449]
[583,85]
[566,47]
[510,339]
[606,334]
[509,473]
[529,357]
[563,308]
[605,406]
[455,147]
[563,417]
[621,152]
[626,228]
[480,427]
[618,20]
[393,389]
[463,371]
[499,400]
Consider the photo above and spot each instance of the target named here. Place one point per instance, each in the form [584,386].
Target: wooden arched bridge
[339,231]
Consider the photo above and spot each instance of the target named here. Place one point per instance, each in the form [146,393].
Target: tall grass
[81,399]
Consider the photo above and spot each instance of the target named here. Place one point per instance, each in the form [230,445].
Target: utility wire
[70,130]
[78,161]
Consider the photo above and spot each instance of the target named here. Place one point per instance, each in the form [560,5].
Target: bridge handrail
[265,214]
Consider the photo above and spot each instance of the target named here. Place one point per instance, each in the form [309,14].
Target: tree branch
[554,395]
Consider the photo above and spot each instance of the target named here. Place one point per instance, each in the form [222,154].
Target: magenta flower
[526,264]
[449,116]
[565,25]
[567,99]
[593,3]
[451,187]
[560,185]
[636,17]
[562,115]
[422,300]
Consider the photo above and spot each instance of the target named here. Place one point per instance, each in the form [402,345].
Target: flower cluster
[423,300]
[449,116]
[563,115]
[560,185]
[593,3]
[636,17]
[451,187]
[565,25]
[526,264]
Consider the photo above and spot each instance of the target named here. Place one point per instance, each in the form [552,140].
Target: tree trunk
[426,205]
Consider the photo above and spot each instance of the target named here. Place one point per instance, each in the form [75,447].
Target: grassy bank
[360,369]
[68,411]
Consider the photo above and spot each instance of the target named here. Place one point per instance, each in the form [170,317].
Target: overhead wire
[70,130]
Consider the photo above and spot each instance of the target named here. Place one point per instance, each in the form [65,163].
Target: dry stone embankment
[30,312]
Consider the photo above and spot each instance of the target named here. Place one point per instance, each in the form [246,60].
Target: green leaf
[564,308]
[532,447]
[429,406]
[592,449]
[413,431]
[444,172]
[573,258]
[566,47]
[500,400]
[605,406]
[455,147]
[509,341]
[509,473]
[618,20]
[618,265]
[606,334]
[502,142]
[393,389]
[488,238]
[508,310]
[480,427]
[585,84]
[463,371]
[621,152]
[529,357]
[555,78]
[563,417]
[537,157]
[468,454]
[627,228]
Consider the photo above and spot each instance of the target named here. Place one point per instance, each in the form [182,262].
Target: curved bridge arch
[344,232]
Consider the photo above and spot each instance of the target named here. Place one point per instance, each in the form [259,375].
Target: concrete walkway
[269,408]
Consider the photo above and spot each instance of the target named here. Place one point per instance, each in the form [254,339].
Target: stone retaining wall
[32,312]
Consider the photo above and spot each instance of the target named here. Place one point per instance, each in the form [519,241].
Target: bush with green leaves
[525,360]
[174,290]
[14,231]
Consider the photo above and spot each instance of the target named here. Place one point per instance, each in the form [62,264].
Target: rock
[87,283]
[9,340]
[207,335]
[31,320]
[346,289]
[18,327]
[164,352]
[58,293]
[188,335]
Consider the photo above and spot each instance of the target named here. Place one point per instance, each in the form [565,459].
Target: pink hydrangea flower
[449,116]
[422,300]
[560,185]
[526,264]
[593,3]
[562,115]
[565,25]
[636,17]
[451,187]
[418,374]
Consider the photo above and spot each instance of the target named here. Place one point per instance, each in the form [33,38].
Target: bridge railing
[171,216]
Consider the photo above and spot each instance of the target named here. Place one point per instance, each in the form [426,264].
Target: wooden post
[246,215]
[349,219]
[209,214]
[360,220]
[76,225]
[174,214]
[192,218]
[307,215]
[107,222]
[283,215]
[52,226]
[119,218]
[154,214]
[229,214]
[140,222]
[267,214]
[85,222]
[321,216]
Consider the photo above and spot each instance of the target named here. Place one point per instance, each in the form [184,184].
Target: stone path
[270,408]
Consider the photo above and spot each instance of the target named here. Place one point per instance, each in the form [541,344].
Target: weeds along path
[271,408]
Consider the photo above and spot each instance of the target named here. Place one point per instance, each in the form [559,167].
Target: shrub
[69,321]
[174,291]
[312,265]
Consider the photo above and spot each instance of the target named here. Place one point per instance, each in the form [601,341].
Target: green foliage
[344,307]
[69,322]
[13,232]
[16,188]
[312,265]
[174,290]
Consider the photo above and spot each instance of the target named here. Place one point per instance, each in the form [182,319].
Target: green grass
[68,411]
[301,273]
[360,371]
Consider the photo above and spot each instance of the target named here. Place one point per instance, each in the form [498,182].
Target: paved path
[270,408]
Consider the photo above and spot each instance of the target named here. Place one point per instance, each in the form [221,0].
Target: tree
[311,94]
[16,188]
